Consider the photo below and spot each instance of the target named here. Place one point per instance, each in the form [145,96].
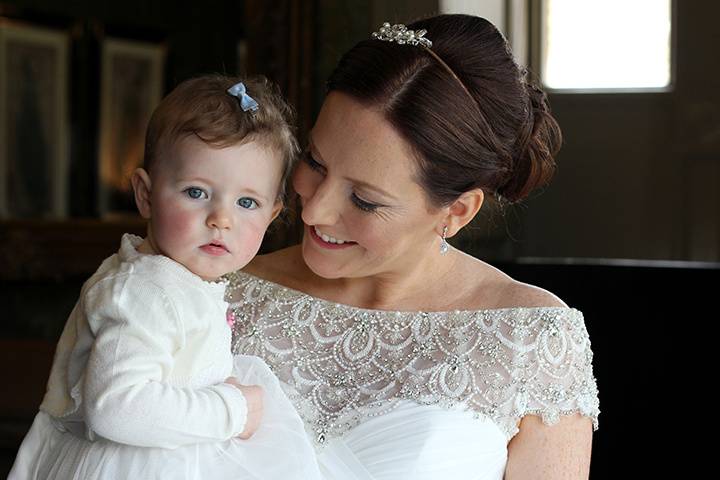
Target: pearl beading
[341,365]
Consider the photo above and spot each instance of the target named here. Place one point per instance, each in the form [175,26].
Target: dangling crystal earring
[444,245]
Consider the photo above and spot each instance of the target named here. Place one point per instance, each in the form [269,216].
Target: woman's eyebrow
[312,146]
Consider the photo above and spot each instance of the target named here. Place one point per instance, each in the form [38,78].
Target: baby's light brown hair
[202,107]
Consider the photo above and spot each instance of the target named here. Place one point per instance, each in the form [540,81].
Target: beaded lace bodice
[340,364]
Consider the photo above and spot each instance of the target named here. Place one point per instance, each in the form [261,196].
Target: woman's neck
[418,286]
[431,284]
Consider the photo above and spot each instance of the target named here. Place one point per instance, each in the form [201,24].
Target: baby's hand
[254,398]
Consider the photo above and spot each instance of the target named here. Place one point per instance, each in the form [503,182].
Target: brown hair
[502,139]
[202,107]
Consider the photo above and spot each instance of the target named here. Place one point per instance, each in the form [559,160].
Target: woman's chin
[320,267]
[318,262]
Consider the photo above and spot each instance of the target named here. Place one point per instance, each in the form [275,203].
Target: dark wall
[652,337]
[199,37]
[202,36]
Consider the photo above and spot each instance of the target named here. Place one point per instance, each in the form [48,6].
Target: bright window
[606,45]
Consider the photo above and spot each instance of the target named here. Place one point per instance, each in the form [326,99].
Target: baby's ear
[142,186]
[277,208]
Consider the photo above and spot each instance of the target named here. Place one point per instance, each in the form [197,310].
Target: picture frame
[34,136]
[131,87]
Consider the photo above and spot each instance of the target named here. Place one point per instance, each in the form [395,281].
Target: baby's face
[211,206]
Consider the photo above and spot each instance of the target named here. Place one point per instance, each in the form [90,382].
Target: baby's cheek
[174,225]
[250,239]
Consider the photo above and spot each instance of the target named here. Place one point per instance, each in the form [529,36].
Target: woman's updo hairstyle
[502,140]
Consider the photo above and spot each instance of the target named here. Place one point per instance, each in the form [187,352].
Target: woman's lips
[328,245]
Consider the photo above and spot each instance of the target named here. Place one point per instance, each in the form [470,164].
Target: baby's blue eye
[194,192]
[246,202]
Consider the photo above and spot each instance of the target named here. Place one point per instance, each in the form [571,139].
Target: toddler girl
[140,386]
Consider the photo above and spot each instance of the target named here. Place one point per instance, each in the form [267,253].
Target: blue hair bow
[246,101]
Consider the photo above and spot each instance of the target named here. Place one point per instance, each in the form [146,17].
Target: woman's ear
[142,187]
[463,210]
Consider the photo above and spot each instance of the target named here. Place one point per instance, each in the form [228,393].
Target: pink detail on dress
[230,318]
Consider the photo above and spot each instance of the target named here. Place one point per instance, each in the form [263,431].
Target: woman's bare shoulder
[521,294]
[506,292]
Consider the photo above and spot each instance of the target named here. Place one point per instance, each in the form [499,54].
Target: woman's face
[363,211]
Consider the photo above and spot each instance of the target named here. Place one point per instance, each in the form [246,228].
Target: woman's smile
[327,241]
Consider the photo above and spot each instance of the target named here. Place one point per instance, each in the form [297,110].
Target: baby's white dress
[389,395]
[136,389]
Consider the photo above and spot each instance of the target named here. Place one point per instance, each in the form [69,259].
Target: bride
[406,357]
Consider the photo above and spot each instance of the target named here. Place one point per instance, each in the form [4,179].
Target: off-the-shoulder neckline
[400,312]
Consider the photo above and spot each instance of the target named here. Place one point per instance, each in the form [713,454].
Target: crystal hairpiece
[400,34]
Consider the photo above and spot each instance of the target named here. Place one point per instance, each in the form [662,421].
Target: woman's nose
[320,206]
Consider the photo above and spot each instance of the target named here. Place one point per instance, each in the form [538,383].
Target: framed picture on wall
[33,121]
[131,87]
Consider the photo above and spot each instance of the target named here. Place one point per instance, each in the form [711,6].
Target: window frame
[536,43]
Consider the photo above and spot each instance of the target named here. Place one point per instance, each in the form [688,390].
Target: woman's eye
[195,193]
[308,158]
[248,203]
[363,205]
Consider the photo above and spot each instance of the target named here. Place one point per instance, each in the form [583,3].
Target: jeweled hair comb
[400,34]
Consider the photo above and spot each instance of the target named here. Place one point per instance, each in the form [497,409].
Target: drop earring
[444,245]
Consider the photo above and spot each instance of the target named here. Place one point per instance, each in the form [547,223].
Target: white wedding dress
[414,395]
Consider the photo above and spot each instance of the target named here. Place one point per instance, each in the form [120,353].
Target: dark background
[638,179]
